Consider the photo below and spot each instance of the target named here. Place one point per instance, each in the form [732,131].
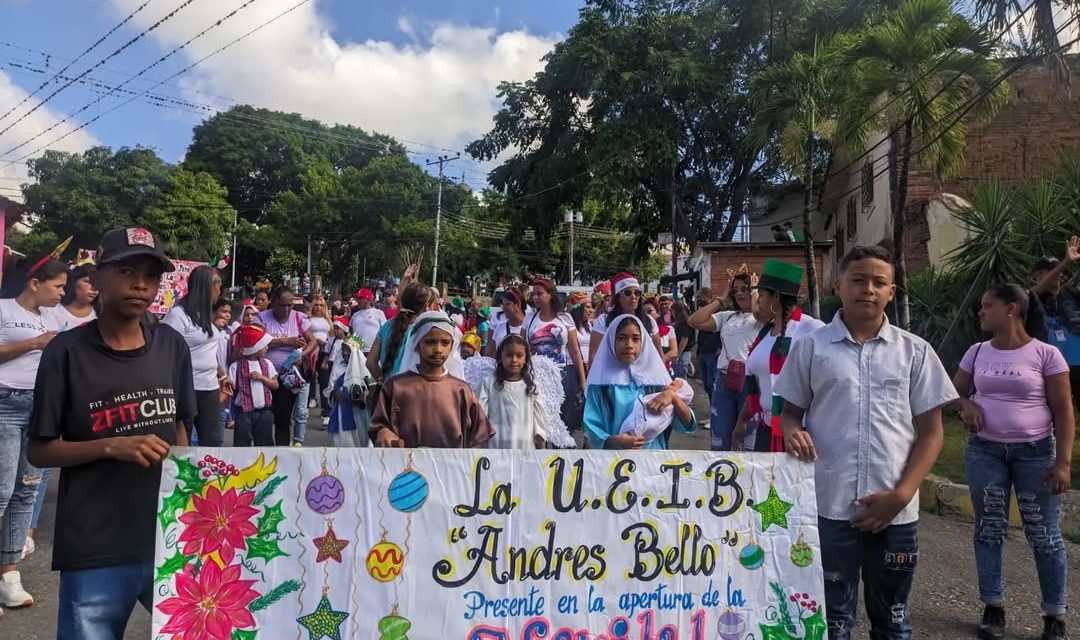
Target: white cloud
[439,89]
[11,94]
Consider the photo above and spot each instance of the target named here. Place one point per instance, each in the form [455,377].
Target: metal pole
[234,261]
[571,283]
[438,227]
[309,255]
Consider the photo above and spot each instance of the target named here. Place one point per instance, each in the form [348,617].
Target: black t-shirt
[85,390]
[682,332]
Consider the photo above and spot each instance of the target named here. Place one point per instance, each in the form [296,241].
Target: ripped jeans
[886,564]
[993,470]
[19,480]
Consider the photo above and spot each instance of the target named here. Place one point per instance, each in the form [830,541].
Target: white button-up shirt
[860,401]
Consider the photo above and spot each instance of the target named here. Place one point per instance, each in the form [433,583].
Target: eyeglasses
[632,293]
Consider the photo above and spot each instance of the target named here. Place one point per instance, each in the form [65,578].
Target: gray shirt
[860,402]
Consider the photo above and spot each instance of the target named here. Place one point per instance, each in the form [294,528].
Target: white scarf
[647,370]
[425,322]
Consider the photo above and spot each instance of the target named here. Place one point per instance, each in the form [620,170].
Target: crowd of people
[92,384]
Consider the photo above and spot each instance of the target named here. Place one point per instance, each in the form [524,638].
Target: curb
[946,498]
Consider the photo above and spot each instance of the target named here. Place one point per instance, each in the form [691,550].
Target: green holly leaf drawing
[243,634]
[814,627]
[170,504]
[172,566]
[277,593]
[265,548]
[188,474]
[267,489]
[270,519]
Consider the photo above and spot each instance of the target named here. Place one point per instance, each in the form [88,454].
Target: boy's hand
[624,441]
[1059,477]
[388,439]
[142,450]
[878,510]
[801,445]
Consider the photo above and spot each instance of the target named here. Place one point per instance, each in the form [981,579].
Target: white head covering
[425,322]
[648,369]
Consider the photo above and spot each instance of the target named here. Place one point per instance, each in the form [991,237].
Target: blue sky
[422,70]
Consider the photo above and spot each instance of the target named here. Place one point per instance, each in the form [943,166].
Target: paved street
[945,600]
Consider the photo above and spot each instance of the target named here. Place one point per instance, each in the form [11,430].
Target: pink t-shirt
[1010,388]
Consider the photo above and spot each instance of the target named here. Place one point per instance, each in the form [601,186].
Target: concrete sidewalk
[945,603]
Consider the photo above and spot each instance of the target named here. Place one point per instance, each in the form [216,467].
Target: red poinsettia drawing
[208,606]
[219,522]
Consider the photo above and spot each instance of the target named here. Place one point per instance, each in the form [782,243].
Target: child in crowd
[429,404]
[470,344]
[347,393]
[110,448]
[511,399]
[256,380]
[1022,429]
[622,374]
[864,399]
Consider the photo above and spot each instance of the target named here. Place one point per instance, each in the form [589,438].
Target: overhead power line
[60,73]
[112,55]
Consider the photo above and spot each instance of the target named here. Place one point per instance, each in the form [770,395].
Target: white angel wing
[478,369]
[548,376]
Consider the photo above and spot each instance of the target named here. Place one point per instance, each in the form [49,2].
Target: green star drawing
[772,511]
[324,622]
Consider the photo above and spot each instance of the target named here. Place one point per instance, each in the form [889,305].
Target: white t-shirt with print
[66,320]
[204,348]
[550,337]
[737,332]
[17,325]
[502,329]
[366,323]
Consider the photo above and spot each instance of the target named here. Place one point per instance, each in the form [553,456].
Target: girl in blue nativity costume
[630,399]
[347,393]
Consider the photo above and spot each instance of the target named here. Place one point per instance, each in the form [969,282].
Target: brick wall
[724,256]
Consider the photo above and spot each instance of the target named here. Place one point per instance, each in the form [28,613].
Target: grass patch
[950,464]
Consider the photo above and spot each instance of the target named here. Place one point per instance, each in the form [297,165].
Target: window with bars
[868,185]
[852,218]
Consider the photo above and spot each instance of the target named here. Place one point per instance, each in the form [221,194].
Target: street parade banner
[173,286]
[389,544]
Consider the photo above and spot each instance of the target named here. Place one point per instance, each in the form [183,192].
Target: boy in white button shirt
[863,398]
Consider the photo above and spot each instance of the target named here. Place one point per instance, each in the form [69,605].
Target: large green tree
[921,72]
[84,194]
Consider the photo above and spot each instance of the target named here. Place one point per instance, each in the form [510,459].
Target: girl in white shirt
[193,318]
[25,329]
[77,306]
[512,400]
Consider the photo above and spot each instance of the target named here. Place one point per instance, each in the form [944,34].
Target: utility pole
[309,255]
[443,160]
[235,221]
[571,217]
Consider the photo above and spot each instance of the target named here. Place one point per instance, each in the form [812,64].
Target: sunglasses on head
[632,293]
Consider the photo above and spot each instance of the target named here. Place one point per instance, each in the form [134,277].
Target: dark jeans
[707,366]
[207,419]
[95,604]
[886,564]
[993,470]
[324,382]
[254,428]
[282,408]
[571,411]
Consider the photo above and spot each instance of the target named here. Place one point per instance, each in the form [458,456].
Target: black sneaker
[992,625]
[1054,628]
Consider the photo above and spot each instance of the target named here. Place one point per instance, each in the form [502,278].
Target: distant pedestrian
[290,331]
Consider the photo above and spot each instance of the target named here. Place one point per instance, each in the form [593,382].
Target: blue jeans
[993,469]
[886,563]
[725,413]
[680,365]
[95,604]
[707,366]
[300,414]
[19,480]
[39,502]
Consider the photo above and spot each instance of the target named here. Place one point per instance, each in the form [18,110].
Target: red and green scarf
[777,358]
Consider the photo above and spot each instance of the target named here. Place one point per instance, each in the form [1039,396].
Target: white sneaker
[29,547]
[12,594]
[326,421]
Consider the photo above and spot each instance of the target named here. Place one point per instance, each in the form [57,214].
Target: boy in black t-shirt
[114,396]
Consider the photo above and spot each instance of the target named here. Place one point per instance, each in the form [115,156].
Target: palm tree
[798,101]
[924,74]
[1044,40]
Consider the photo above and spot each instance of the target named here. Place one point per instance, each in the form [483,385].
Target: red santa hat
[252,338]
[604,288]
[624,281]
[341,322]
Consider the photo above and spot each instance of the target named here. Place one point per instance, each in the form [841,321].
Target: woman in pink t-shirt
[1015,399]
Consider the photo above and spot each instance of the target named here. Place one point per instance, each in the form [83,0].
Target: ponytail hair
[26,270]
[413,301]
[787,307]
[1027,306]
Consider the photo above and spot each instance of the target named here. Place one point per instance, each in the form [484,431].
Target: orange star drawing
[329,546]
